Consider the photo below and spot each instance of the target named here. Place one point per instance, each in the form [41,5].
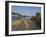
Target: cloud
[28,14]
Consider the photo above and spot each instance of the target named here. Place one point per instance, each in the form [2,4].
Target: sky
[26,10]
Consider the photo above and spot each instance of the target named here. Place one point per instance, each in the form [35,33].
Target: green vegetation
[37,19]
[26,24]
[16,14]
